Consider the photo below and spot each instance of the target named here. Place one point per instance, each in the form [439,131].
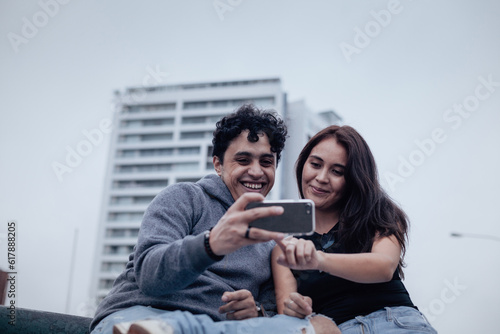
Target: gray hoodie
[169,268]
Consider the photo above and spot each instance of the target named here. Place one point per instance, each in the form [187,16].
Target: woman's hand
[298,254]
[239,305]
[298,306]
[377,266]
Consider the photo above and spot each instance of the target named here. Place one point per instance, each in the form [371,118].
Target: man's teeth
[253,185]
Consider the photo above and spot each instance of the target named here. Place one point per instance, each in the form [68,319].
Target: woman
[350,269]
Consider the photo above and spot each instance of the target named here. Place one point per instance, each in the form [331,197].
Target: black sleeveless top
[342,299]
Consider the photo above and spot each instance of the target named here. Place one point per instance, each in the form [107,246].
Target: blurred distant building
[163,135]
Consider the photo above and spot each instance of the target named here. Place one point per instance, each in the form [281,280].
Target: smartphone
[297,219]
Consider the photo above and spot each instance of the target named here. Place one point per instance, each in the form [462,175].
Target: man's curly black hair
[257,121]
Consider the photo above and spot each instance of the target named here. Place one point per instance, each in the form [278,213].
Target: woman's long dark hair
[366,209]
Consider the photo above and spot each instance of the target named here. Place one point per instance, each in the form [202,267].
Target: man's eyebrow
[267,155]
[248,154]
[318,158]
[244,154]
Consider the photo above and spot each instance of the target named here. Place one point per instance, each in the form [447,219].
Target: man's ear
[217,165]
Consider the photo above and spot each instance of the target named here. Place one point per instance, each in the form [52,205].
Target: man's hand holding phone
[297,218]
[231,231]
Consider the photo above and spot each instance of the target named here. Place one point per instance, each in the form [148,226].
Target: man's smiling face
[247,166]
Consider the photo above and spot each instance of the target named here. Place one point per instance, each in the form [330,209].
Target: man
[196,261]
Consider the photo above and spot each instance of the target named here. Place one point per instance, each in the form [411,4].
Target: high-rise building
[163,135]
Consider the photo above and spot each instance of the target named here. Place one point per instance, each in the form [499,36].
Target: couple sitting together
[198,267]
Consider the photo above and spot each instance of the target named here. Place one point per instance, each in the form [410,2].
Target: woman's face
[323,179]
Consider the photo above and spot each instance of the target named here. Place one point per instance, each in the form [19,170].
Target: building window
[157,152]
[125,216]
[106,284]
[154,152]
[215,118]
[143,168]
[158,122]
[194,120]
[196,134]
[131,109]
[195,105]
[112,266]
[157,136]
[185,166]
[130,124]
[146,122]
[126,153]
[181,166]
[115,233]
[118,249]
[202,119]
[189,150]
[148,137]
[188,179]
[264,101]
[143,138]
[139,184]
[131,200]
[122,233]
[129,138]
[222,103]
[230,103]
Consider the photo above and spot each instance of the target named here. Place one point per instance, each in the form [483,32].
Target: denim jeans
[401,319]
[187,323]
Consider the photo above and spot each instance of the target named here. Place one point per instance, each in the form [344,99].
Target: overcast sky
[420,80]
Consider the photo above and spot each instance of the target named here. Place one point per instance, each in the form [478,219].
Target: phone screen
[297,218]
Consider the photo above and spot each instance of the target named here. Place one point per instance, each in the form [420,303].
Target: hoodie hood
[213,185]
